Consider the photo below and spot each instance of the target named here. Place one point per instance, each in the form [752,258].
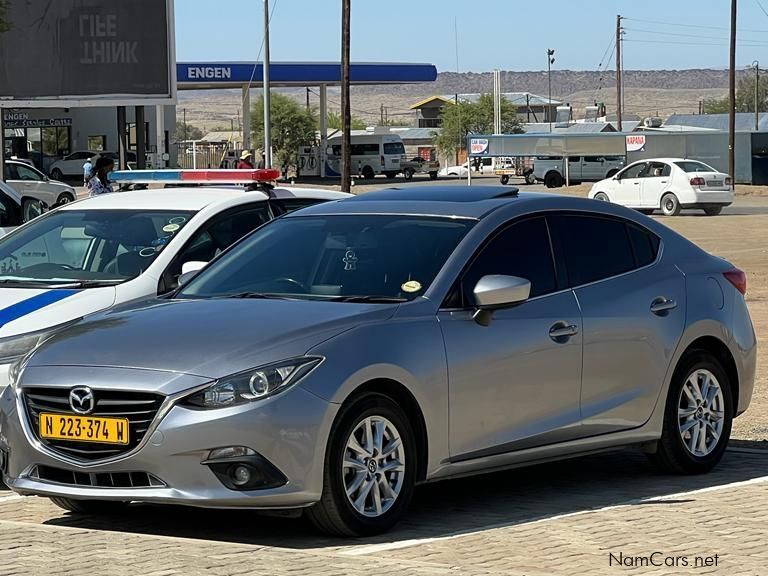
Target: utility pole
[346,113]
[756,64]
[184,110]
[732,99]
[619,98]
[381,112]
[528,106]
[307,99]
[267,98]
[550,61]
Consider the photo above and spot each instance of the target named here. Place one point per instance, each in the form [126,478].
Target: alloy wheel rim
[669,205]
[701,413]
[373,469]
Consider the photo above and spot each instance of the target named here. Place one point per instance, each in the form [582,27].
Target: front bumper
[288,430]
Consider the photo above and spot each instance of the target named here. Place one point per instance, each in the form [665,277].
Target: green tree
[187,132]
[5,25]
[334,122]
[745,97]
[292,126]
[465,118]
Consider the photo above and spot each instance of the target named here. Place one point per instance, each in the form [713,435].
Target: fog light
[230,452]
[241,475]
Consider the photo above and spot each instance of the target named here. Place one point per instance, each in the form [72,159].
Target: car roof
[190,198]
[448,201]
[668,160]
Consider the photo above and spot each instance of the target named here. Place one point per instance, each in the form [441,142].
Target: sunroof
[439,193]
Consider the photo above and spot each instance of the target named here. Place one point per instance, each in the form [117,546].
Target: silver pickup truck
[551,169]
[419,166]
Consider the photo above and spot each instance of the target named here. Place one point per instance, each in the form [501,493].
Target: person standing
[98,182]
[87,168]
[246,161]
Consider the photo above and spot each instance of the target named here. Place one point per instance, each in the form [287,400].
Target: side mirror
[189,270]
[494,292]
[32,208]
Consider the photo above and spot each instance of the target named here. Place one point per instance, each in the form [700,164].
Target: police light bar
[194,176]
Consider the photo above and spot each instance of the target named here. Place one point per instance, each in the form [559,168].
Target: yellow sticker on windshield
[171,227]
[411,286]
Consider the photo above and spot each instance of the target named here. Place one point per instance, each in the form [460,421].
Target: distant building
[530,107]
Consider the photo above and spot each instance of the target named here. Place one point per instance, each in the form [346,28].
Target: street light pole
[550,61]
[732,99]
[346,113]
[267,99]
[756,64]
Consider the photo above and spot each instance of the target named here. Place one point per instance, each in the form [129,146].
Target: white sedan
[669,185]
[92,254]
[460,171]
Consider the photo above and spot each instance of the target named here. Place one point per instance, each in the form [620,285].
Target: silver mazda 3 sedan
[342,354]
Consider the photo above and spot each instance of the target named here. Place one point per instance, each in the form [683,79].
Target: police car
[89,255]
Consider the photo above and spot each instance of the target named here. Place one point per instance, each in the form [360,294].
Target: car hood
[24,310]
[209,338]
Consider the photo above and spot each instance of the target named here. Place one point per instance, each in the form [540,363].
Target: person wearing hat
[246,161]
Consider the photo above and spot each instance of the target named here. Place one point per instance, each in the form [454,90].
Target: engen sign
[635,142]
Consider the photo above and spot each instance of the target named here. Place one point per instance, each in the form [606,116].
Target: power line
[661,23]
[706,37]
[761,7]
[672,43]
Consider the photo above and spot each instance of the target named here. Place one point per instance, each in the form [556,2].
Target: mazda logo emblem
[81,400]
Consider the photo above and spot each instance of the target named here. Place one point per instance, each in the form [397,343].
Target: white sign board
[635,142]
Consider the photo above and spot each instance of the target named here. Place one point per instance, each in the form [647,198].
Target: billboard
[86,52]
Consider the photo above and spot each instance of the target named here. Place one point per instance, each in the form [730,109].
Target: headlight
[252,385]
[14,347]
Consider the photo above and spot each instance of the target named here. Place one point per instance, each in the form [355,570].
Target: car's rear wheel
[92,507]
[408,173]
[670,205]
[65,198]
[368,173]
[370,469]
[504,179]
[646,211]
[57,174]
[713,210]
[433,175]
[698,416]
[530,178]
[602,196]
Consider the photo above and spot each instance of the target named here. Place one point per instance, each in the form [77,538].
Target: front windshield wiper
[58,284]
[373,299]
[256,296]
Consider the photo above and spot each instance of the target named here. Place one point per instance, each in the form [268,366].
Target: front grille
[139,408]
[98,479]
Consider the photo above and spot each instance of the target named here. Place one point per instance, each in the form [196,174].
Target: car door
[633,310]
[215,236]
[629,185]
[592,168]
[656,181]
[514,383]
[33,184]
[574,168]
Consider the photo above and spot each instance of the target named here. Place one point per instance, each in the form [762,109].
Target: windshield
[692,166]
[86,246]
[341,257]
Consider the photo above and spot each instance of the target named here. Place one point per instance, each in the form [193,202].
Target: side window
[27,174]
[215,237]
[10,172]
[594,248]
[633,171]
[644,244]
[657,170]
[524,250]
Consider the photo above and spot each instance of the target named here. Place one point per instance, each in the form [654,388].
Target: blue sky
[506,34]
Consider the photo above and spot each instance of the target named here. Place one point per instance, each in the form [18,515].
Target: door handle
[562,331]
[661,306]
[663,182]
[636,183]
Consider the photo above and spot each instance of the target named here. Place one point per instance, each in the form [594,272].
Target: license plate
[715,183]
[84,428]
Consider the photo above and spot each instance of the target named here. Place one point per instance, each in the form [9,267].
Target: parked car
[72,166]
[341,354]
[460,171]
[16,210]
[669,185]
[29,181]
[99,252]
[419,165]
[551,169]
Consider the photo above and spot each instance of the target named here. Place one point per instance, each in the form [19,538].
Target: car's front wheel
[370,469]
[91,507]
[698,416]
[65,198]
[602,197]
[57,174]
[713,210]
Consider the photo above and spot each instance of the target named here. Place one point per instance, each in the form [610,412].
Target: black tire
[334,514]
[670,205]
[91,507]
[672,455]
[646,211]
[553,180]
[408,173]
[65,198]
[713,210]
[433,175]
[57,174]
[602,197]
[530,178]
[504,179]
[368,173]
